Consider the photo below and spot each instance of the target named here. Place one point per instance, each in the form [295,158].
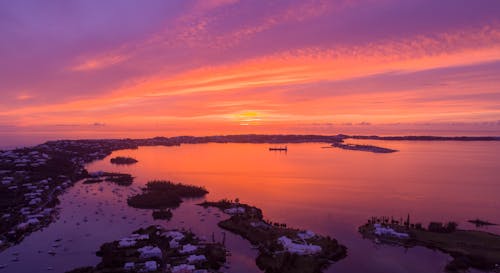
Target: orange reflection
[308,183]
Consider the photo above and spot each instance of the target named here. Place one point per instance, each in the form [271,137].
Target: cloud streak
[232,63]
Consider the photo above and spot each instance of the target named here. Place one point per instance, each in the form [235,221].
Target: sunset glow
[198,65]
[247,136]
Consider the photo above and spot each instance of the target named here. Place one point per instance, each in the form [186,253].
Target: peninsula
[469,248]
[155,249]
[281,248]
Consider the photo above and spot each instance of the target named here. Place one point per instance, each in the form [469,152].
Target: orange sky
[215,66]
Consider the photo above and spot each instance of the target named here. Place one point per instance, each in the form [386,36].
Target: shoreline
[33,178]
[40,166]
[281,248]
[261,138]
[468,248]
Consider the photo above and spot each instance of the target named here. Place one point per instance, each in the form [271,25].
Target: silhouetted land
[122,160]
[122,179]
[281,249]
[164,214]
[425,138]
[481,223]
[469,248]
[364,148]
[164,194]
[32,178]
[155,249]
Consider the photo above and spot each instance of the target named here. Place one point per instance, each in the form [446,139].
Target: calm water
[329,191]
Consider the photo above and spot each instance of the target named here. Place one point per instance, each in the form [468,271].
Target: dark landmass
[122,179]
[32,178]
[481,223]
[164,194]
[425,138]
[469,248]
[157,250]
[364,148]
[93,181]
[281,249]
[121,160]
[162,214]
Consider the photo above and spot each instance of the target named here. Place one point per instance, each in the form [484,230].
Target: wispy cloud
[24,97]
[259,63]
[100,62]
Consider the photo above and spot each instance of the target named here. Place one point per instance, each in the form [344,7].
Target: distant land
[288,138]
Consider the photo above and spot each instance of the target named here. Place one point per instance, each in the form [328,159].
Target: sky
[224,66]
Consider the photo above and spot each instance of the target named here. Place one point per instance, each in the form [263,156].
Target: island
[155,249]
[163,214]
[281,248]
[469,248]
[364,148]
[121,179]
[32,178]
[164,194]
[122,160]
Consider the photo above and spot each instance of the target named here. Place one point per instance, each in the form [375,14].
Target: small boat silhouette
[278,148]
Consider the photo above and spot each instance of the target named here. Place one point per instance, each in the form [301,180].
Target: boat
[278,148]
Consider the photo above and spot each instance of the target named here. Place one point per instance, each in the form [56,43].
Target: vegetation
[481,223]
[122,179]
[114,257]
[439,227]
[162,214]
[122,160]
[264,234]
[86,269]
[359,147]
[469,248]
[164,194]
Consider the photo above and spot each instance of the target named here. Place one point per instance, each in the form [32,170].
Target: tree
[451,226]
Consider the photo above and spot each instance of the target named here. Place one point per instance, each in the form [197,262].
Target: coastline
[34,177]
[132,143]
[81,152]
